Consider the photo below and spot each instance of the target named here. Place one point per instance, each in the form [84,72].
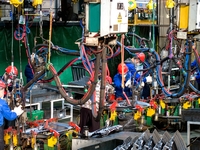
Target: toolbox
[35,115]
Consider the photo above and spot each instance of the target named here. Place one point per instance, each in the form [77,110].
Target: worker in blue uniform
[136,63]
[9,76]
[196,75]
[11,73]
[118,82]
[6,113]
[28,73]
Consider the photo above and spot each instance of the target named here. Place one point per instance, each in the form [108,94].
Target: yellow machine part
[15,141]
[6,138]
[137,115]
[52,141]
[75,1]
[150,112]
[184,14]
[170,4]
[132,5]
[142,22]
[187,105]
[162,104]
[16,3]
[33,141]
[36,2]
[69,134]
[113,115]
[151,5]
[198,100]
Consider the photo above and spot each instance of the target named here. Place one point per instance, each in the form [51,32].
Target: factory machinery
[107,29]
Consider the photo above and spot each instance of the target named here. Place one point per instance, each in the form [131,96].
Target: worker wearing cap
[6,113]
[9,77]
[118,82]
[136,63]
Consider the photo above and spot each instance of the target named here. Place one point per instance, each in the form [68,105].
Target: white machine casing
[114,17]
[194,15]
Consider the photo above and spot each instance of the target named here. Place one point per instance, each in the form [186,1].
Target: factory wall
[64,36]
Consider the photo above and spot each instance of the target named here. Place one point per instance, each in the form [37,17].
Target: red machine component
[10,130]
[77,128]
[113,106]
[153,104]
[55,133]
[35,123]
[139,108]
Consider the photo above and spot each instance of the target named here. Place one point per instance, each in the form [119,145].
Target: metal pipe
[103,84]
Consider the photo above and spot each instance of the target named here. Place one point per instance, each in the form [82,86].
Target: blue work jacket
[117,84]
[28,73]
[132,69]
[5,112]
[197,76]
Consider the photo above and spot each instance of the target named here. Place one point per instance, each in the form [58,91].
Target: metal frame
[63,105]
[39,106]
[188,130]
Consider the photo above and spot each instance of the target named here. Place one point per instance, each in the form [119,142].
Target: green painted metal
[149,121]
[176,110]
[94,17]
[63,36]
[35,115]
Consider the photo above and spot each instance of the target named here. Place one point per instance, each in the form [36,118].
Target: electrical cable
[90,89]
[61,70]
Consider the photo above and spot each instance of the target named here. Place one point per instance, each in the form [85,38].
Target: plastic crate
[35,115]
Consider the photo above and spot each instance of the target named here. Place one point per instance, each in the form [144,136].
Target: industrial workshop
[100,75]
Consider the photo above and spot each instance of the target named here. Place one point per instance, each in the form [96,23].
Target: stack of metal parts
[154,141]
[106,131]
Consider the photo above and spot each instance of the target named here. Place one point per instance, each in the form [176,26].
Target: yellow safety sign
[119,18]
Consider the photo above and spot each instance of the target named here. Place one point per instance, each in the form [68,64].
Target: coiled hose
[91,88]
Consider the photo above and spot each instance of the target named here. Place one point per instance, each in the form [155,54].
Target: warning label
[119,18]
